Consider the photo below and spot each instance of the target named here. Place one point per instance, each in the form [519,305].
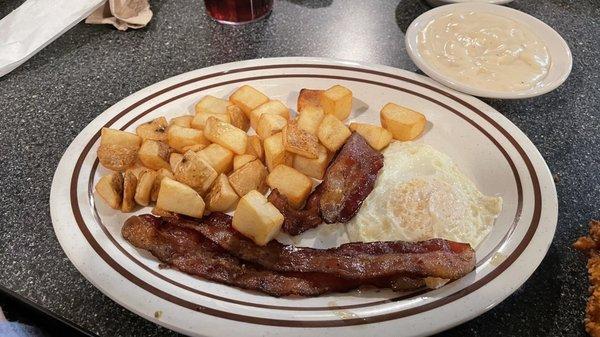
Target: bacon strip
[298,221]
[358,261]
[187,250]
[349,179]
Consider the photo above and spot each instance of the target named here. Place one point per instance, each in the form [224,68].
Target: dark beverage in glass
[238,11]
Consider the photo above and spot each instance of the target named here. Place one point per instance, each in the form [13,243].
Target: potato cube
[241,160]
[143,191]
[255,147]
[155,129]
[310,119]
[179,137]
[404,123]
[199,121]
[248,98]
[137,170]
[226,135]
[309,97]
[212,105]
[275,152]
[174,160]
[333,133]
[154,154]
[110,188]
[195,172]
[251,176]
[298,141]
[221,197]
[269,125]
[194,148]
[271,107]
[119,138]
[256,218]
[160,175]
[238,118]
[377,137]
[129,185]
[118,149]
[183,121]
[337,101]
[179,198]
[220,158]
[291,183]
[313,167]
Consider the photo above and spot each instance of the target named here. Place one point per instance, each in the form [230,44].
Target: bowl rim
[560,53]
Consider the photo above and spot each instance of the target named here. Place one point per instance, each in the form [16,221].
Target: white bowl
[560,54]
[445,2]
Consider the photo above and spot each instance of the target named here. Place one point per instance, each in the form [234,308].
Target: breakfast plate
[445,2]
[486,146]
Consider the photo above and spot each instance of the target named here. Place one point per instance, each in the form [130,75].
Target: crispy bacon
[349,179]
[358,261]
[298,221]
[187,250]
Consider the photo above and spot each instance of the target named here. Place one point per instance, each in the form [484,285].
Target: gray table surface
[46,102]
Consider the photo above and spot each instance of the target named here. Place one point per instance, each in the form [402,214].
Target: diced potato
[275,152]
[110,188]
[404,123]
[195,172]
[271,107]
[241,160]
[251,176]
[226,135]
[179,198]
[248,98]
[199,121]
[220,158]
[313,167]
[255,147]
[146,182]
[155,129]
[183,121]
[256,218]
[269,125]
[337,101]
[212,105]
[238,118]
[195,148]
[309,97]
[120,138]
[179,137]
[221,197]
[129,186]
[377,137]
[333,133]
[298,141]
[291,183]
[137,170]
[118,149]
[310,119]
[154,154]
[160,175]
[174,160]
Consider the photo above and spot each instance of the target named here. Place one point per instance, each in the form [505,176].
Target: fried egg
[421,194]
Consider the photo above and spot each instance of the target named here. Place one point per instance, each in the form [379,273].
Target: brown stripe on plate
[498,270]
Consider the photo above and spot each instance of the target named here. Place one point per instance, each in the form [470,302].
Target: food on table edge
[199,247]
[590,244]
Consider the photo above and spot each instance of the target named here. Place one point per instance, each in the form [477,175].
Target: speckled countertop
[48,100]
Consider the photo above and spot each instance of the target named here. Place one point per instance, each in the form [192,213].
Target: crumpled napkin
[122,14]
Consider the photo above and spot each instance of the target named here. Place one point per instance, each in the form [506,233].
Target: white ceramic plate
[445,2]
[486,146]
[561,60]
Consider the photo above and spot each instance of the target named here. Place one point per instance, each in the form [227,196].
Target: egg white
[421,194]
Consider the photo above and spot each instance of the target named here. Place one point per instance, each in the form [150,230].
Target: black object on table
[46,102]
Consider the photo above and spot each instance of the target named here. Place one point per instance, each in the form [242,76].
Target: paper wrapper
[122,14]
[35,24]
